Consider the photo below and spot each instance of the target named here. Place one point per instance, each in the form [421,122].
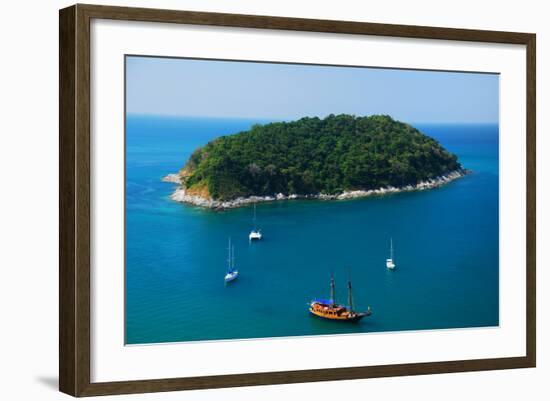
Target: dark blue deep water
[446,248]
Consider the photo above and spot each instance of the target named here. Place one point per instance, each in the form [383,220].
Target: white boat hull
[255,235]
[231,276]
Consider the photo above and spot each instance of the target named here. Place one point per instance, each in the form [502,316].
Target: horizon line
[287,119]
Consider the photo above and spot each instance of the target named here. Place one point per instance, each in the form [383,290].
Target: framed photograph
[250,200]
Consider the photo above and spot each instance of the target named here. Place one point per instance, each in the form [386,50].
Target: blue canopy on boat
[322,301]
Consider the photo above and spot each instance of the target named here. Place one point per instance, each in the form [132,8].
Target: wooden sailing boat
[232,273]
[255,234]
[329,309]
[389,262]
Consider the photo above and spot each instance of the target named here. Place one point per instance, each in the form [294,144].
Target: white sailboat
[232,273]
[255,234]
[389,262]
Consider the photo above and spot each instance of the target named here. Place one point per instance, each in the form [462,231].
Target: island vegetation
[313,156]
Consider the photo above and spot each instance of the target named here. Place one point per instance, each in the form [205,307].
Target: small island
[338,157]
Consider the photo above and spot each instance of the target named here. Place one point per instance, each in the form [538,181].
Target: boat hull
[255,236]
[345,316]
[231,277]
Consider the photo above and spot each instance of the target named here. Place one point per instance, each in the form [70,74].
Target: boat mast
[332,295]
[350,297]
[232,258]
[229,255]
[254,219]
[391,249]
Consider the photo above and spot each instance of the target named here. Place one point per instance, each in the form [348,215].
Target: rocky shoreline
[180,194]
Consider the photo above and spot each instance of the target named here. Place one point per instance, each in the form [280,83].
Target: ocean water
[446,248]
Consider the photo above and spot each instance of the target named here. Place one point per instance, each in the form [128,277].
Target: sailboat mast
[332,294]
[391,248]
[350,297]
[229,255]
[254,220]
[232,258]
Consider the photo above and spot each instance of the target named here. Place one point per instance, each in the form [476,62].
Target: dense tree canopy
[312,155]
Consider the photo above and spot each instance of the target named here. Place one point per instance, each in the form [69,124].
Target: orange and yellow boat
[329,309]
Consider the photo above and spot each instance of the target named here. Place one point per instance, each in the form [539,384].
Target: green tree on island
[312,155]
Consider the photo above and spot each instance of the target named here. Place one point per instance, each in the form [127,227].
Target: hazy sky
[184,87]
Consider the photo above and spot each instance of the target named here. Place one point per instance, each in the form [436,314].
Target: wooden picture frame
[74,199]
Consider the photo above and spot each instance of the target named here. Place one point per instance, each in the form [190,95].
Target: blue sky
[183,87]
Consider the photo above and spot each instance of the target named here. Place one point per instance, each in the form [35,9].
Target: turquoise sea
[446,247]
